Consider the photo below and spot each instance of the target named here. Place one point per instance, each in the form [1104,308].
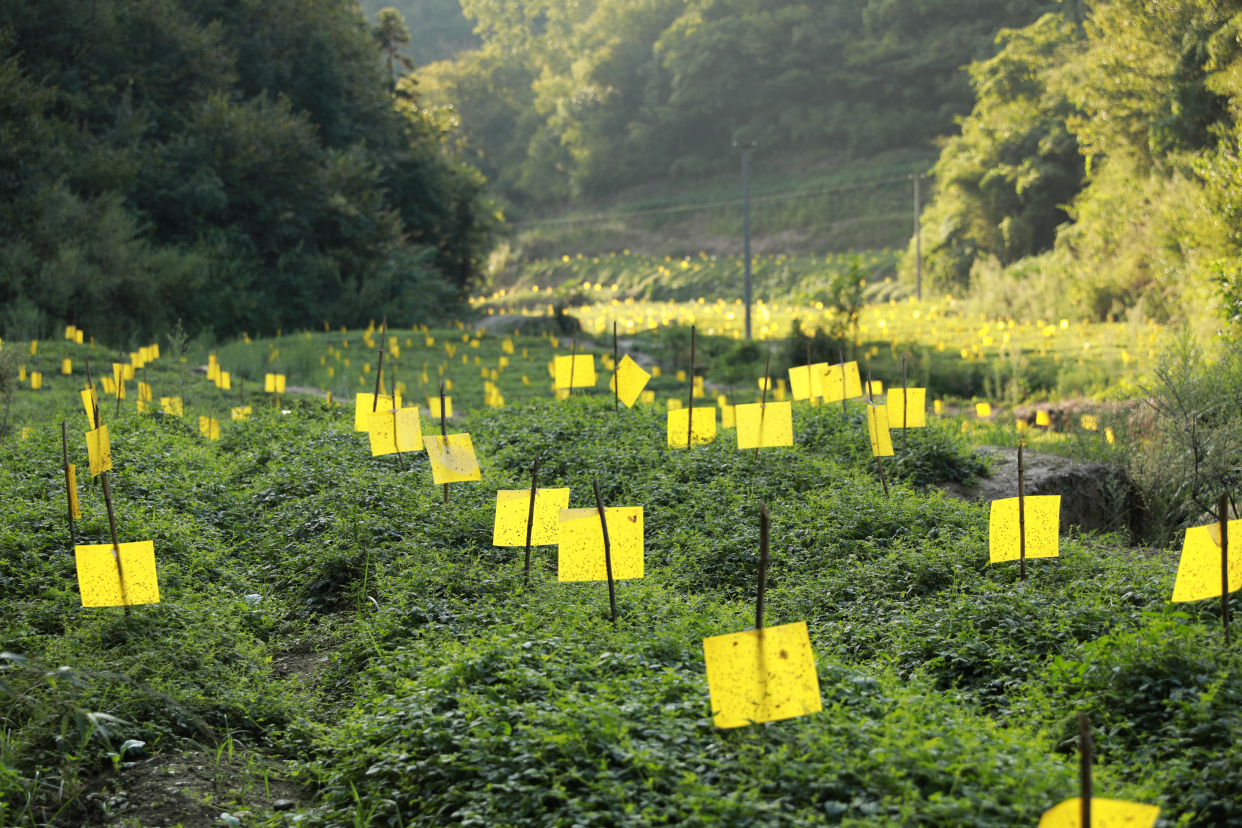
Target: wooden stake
[1224,564]
[120,358]
[1021,514]
[116,546]
[395,443]
[690,396]
[880,465]
[616,364]
[603,522]
[379,370]
[530,517]
[844,412]
[573,351]
[905,404]
[1084,769]
[64,442]
[444,433]
[765,520]
[763,406]
[94,402]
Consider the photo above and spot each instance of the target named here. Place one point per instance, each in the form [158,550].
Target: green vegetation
[1098,171]
[240,166]
[434,685]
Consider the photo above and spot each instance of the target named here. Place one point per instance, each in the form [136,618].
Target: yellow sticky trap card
[760,426]
[648,396]
[513,511]
[71,483]
[1105,813]
[226,381]
[878,431]
[727,416]
[128,371]
[841,385]
[89,401]
[1090,422]
[454,463]
[1042,418]
[144,392]
[365,405]
[673,403]
[209,427]
[171,405]
[1198,571]
[70,330]
[274,383]
[581,538]
[240,413]
[66,366]
[877,387]
[99,575]
[806,382]
[433,405]
[916,412]
[1042,515]
[761,675]
[633,380]
[704,426]
[394,431]
[99,450]
[36,380]
[983,409]
[580,368]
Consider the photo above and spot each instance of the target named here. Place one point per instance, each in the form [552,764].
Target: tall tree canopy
[240,164]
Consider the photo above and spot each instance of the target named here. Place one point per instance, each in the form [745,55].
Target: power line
[710,206]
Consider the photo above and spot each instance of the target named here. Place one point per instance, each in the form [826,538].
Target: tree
[391,34]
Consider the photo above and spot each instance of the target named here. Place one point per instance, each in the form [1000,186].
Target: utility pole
[746,148]
[918,239]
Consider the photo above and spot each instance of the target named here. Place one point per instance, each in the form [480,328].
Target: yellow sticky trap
[878,431]
[1043,528]
[877,387]
[70,331]
[806,382]
[99,575]
[704,426]
[581,367]
[513,510]
[938,406]
[647,396]
[366,404]
[77,337]
[172,405]
[1042,418]
[66,366]
[1090,423]
[839,385]
[581,538]
[128,371]
[240,413]
[1110,436]
[916,415]
[454,463]
[983,410]
[673,403]
[433,404]
[89,401]
[727,416]
[761,675]
[392,432]
[209,427]
[36,380]
[1105,813]
[226,381]
[71,484]
[760,426]
[99,450]
[144,392]
[1198,571]
[633,380]
[120,390]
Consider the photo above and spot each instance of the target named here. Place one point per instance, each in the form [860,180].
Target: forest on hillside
[573,99]
[240,166]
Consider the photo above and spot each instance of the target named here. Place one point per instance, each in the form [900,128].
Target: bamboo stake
[880,465]
[120,358]
[765,520]
[379,370]
[603,522]
[395,434]
[1021,514]
[64,442]
[103,476]
[616,380]
[844,412]
[573,352]
[763,406]
[1084,769]
[690,396]
[905,404]
[444,434]
[1224,564]
[530,517]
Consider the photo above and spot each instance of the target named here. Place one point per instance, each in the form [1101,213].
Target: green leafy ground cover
[455,692]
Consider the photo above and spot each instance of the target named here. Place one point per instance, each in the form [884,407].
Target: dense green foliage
[456,692]
[438,28]
[242,166]
[1098,172]
[568,98]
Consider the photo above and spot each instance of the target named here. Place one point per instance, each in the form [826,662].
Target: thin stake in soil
[763,406]
[1084,769]
[573,351]
[765,521]
[879,464]
[444,434]
[690,398]
[530,516]
[120,357]
[1021,513]
[603,523]
[905,404]
[395,435]
[103,477]
[616,384]
[1224,564]
[64,442]
[379,371]
[844,412]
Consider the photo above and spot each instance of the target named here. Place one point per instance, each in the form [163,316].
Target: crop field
[338,641]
